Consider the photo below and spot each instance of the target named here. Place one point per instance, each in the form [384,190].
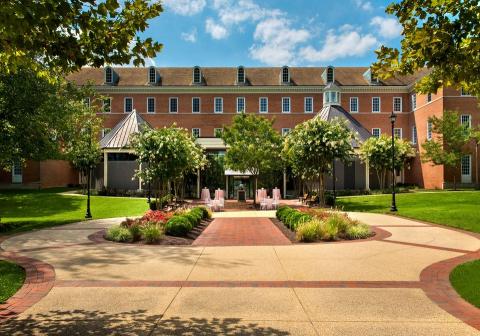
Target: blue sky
[272,32]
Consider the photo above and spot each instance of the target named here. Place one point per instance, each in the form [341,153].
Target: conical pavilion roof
[119,136]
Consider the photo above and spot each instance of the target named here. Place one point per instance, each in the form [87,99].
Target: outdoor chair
[312,200]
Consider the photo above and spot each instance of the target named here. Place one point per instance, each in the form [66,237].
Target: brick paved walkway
[241,232]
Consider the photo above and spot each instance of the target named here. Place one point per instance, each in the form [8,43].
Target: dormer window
[241,75]
[108,75]
[152,75]
[285,75]
[331,95]
[197,75]
[330,75]
[370,77]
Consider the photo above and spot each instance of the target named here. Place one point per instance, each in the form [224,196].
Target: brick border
[39,280]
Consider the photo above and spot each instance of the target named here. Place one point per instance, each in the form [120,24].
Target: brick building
[203,100]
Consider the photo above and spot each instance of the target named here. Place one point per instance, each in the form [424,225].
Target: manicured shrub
[198,212]
[295,218]
[358,231]
[152,233]
[309,231]
[119,234]
[206,213]
[340,221]
[329,230]
[178,226]
[283,212]
[192,218]
[136,231]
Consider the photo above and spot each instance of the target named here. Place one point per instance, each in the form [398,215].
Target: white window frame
[199,132]
[87,101]
[105,133]
[125,104]
[464,93]
[150,75]
[469,116]
[429,130]
[352,99]
[398,129]
[379,105]
[289,105]
[414,135]
[260,104]
[429,98]
[199,75]
[466,178]
[414,101]
[401,105]
[111,75]
[244,104]
[285,68]
[217,129]
[379,132]
[241,68]
[170,99]
[154,105]
[109,104]
[305,105]
[199,105]
[285,131]
[215,105]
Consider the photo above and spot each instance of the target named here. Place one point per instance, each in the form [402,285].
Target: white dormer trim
[241,68]
[195,69]
[282,81]
[325,74]
[108,73]
[367,75]
[149,73]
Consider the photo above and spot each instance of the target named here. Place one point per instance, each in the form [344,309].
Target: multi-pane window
[86,101]
[108,75]
[173,105]
[241,75]
[263,105]
[195,105]
[218,105]
[285,131]
[105,131]
[107,105]
[429,97]
[464,92]
[414,101]
[398,133]
[466,120]
[429,130]
[308,105]
[196,132]
[466,165]
[376,104]
[397,104]
[152,75]
[217,132]
[353,104]
[128,105]
[330,75]
[414,135]
[285,75]
[197,75]
[376,132]
[240,104]
[286,105]
[151,105]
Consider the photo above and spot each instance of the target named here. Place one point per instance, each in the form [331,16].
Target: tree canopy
[377,152]
[312,146]
[253,145]
[441,36]
[68,34]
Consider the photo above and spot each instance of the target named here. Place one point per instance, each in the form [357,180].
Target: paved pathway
[394,286]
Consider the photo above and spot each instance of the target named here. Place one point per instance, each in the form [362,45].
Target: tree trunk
[255,192]
[321,190]
[454,182]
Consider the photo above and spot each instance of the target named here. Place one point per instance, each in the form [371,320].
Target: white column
[140,179]
[284,184]
[198,183]
[367,175]
[226,187]
[105,169]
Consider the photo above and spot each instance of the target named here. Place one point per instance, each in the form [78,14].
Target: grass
[465,279]
[25,210]
[12,277]
[459,209]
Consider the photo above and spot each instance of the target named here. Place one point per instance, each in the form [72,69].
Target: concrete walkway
[394,286]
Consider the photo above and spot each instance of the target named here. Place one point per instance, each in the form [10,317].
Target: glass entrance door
[17,174]
[237,182]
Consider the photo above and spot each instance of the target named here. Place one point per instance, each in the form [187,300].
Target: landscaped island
[12,277]
[155,225]
[312,225]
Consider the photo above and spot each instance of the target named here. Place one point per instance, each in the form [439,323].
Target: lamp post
[149,192]
[393,118]
[88,214]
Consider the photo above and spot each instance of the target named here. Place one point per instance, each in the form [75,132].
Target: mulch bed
[99,237]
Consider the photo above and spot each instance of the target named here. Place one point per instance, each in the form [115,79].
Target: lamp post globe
[393,118]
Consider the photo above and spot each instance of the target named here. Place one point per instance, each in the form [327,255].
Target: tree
[166,155]
[68,34]
[377,153]
[441,36]
[448,145]
[312,146]
[476,139]
[34,113]
[252,146]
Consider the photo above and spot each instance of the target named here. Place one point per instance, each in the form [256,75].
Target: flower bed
[155,226]
[311,225]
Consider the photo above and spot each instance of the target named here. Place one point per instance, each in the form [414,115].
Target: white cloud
[276,42]
[185,7]
[364,5]
[387,27]
[235,12]
[217,31]
[347,43]
[190,36]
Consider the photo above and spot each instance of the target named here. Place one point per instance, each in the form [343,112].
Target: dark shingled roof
[300,76]
[119,136]
[330,112]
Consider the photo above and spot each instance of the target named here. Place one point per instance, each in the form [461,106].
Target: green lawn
[27,209]
[465,279]
[12,277]
[459,209]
